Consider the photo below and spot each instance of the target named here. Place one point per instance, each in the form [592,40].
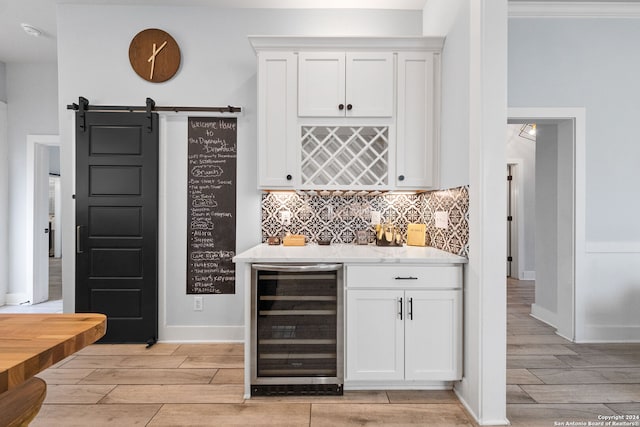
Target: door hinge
[509,258]
[509,177]
[509,218]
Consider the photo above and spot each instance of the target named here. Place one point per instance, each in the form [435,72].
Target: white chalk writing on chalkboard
[212,153]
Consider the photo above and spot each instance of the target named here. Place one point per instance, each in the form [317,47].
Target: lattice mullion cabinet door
[278,147]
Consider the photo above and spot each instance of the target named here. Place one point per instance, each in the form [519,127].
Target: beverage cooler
[297,329]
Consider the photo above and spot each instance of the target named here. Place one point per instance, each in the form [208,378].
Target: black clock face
[154,55]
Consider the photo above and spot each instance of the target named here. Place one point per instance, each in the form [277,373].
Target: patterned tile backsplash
[339,217]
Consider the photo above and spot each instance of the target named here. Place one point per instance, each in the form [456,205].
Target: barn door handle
[79,249]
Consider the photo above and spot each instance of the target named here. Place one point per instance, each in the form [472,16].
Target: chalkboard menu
[211,218]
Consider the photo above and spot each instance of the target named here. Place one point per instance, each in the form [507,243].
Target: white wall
[218,68]
[32,99]
[524,151]
[3,82]
[451,19]
[473,143]
[546,221]
[4,205]
[562,62]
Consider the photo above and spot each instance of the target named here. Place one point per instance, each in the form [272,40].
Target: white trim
[339,43]
[528,275]
[544,315]
[18,298]
[611,334]
[32,140]
[612,247]
[519,217]
[566,9]
[498,422]
[199,333]
[578,115]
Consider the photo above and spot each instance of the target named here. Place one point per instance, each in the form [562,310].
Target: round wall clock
[154,55]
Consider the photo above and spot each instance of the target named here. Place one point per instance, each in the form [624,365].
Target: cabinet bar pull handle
[406,278]
[79,239]
[400,301]
[411,308]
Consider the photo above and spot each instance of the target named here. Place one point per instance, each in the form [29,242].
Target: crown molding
[573,9]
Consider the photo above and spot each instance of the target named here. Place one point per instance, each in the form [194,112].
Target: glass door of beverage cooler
[297,327]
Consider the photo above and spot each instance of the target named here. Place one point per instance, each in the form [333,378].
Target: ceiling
[17,46]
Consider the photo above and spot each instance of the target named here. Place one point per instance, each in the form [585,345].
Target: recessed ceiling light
[31,30]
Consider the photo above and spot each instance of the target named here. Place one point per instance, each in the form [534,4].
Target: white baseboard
[498,422]
[544,315]
[528,275]
[17,299]
[609,334]
[201,334]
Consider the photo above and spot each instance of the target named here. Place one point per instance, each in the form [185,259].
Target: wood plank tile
[535,349]
[601,360]
[218,362]
[150,376]
[584,393]
[538,339]
[632,408]
[515,394]
[349,396]
[72,393]
[422,396]
[176,393]
[274,414]
[539,415]
[588,376]
[96,362]
[128,349]
[64,376]
[543,361]
[228,376]
[521,376]
[218,349]
[94,415]
[346,415]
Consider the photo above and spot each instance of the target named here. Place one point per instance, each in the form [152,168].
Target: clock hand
[153,61]
[155,52]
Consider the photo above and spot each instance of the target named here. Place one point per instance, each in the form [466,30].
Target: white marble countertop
[348,253]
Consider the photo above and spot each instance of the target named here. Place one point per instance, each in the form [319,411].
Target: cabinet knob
[289,177]
[349,106]
[401,178]
[340,107]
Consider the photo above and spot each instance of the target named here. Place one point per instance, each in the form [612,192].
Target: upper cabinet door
[369,85]
[416,120]
[332,84]
[278,162]
[321,84]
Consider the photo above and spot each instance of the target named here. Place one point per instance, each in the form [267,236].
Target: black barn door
[117,222]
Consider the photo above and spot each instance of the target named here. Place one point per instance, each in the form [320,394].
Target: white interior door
[41,224]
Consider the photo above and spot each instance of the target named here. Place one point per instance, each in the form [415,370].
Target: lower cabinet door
[433,338]
[375,335]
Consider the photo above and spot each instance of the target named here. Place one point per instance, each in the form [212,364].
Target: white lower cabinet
[404,334]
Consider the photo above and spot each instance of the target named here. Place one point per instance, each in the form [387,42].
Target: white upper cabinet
[339,84]
[418,98]
[348,113]
[278,156]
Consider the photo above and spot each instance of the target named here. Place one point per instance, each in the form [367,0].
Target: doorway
[558,211]
[41,218]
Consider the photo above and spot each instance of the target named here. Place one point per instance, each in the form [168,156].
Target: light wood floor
[548,380]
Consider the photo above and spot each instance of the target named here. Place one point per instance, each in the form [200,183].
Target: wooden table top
[30,343]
